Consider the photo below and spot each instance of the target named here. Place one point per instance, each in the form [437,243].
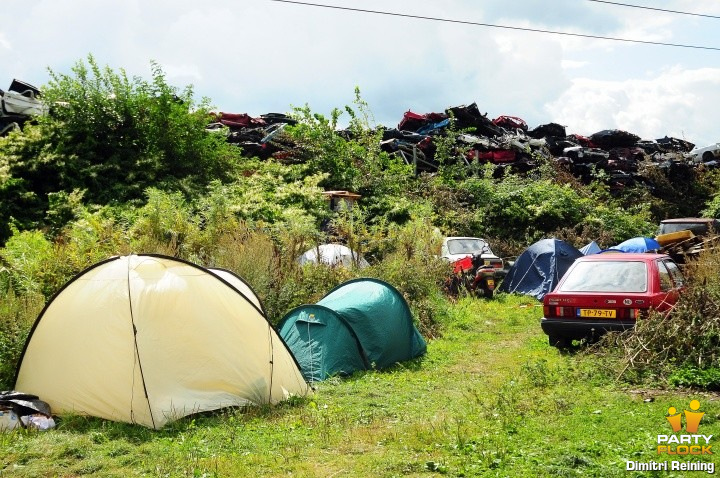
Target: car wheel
[559,341]
[707,156]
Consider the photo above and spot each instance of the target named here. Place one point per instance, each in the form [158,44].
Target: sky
[262,56]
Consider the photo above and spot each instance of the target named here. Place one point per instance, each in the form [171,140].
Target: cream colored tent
[148,339]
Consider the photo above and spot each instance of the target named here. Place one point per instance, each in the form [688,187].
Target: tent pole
[137,353]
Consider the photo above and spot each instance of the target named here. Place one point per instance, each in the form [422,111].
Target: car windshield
[467,246]
[699,227]
[606,276]
[695,227]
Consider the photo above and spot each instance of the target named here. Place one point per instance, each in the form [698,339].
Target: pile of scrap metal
[686,238]
[507,142]
[18,105]
[689,246]
[260,137]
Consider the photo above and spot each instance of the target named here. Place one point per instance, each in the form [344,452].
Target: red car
[609,291]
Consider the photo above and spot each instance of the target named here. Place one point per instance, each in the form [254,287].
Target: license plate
[599,313]
[490,283]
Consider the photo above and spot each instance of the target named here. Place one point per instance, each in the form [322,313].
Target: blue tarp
[539,268]
[637,244]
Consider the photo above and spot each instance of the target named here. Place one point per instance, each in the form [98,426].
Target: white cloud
[258,56]
[678,102]
[572,64]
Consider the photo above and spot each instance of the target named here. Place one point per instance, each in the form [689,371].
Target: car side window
[666,282]
[675,273]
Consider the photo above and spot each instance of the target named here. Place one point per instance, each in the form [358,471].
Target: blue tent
[637,244]
[591,248]
[539,268]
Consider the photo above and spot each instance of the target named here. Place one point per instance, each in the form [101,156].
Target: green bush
[705,378]
[17,315]
[112,138]
[411,264]
[682,346]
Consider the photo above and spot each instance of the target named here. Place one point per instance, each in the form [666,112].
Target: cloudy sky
[261,56]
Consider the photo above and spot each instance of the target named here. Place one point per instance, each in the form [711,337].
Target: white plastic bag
[8,420]
[38,422]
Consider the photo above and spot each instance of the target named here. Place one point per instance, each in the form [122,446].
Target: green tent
[361,324]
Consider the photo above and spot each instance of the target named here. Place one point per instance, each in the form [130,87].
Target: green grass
[490,398]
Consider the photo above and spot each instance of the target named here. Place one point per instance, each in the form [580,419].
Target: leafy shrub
[684,344]
[17,315]
[112,138]
[534,208]
[411,264]
[28,259]
[706,378]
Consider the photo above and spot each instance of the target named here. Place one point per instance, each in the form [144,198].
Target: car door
[670,282]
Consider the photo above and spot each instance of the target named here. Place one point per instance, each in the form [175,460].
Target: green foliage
[166,220]
[353,161]
[27,263]
[270,193]
[17,314]
[517,210]
[705,378]
[616,224]
[685,343]
[709,183]
[112,138]
[324,151]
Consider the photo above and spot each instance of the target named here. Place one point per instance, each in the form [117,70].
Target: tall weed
[17,315]
[687,338]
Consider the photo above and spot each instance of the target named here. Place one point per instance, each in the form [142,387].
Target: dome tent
[148,339]
[539,268]
[590,248]
[361,324]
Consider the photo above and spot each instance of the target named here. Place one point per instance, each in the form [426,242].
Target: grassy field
[490,398]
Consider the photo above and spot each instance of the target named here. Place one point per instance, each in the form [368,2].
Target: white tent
[333,255]
[148,339]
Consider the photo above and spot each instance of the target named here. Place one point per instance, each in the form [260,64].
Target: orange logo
[689,442]
[692,418]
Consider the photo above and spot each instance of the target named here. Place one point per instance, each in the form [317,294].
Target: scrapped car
[20,102]
[705,154]
[699,226]
[475,265]
[456,248]
[609,292]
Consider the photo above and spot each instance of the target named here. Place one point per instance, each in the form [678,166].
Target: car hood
[457,257]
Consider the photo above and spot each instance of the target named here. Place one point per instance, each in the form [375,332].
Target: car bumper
[579,329]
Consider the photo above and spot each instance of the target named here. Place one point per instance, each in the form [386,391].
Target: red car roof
[622,256]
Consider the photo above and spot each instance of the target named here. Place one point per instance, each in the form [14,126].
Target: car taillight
[628,313]
[554,311]
[565,311]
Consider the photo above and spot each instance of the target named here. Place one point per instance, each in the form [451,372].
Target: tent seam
[136,355]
